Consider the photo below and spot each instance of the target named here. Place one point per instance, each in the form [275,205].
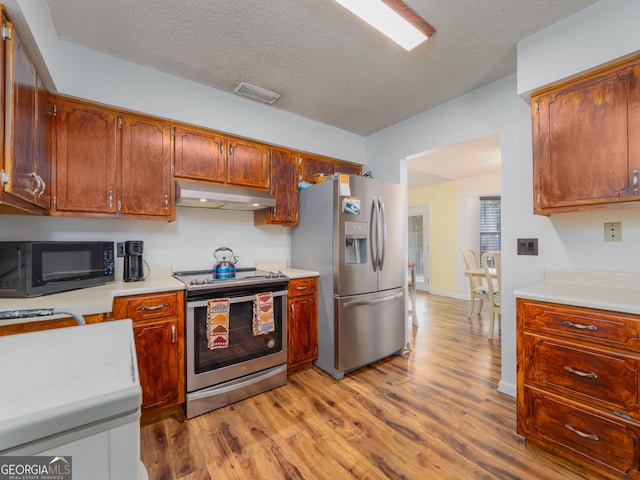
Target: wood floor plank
[433,413]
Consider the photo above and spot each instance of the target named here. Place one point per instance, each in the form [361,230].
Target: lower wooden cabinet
[302,323]
[158,329]
[579,384]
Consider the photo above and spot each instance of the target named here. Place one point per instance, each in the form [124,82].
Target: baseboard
[507,388]
[446,294]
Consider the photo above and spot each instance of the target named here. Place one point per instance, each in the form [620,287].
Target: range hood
[222,197]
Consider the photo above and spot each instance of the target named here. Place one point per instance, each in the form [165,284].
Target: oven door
[246,353]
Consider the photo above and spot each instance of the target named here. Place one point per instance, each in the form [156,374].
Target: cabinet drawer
[303,286]
[610,443]
[608,379]
[145,307]
[607,328]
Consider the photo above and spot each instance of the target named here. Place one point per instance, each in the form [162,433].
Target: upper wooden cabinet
[200,155]
[146,168]
[25,169]
[309,165]
[284,189]
[586,141]
[347,167]
[86,159]
[248,164]
[111,164]
[205,155]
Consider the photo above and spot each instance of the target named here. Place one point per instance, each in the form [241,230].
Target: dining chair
[493,286]
[477,285]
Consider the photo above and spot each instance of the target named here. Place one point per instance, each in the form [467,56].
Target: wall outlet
[613,232]
[527,246]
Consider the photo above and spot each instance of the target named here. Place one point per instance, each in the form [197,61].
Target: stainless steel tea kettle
[225,266]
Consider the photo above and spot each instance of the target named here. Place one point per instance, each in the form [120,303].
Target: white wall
[570,240]
[189,242]
[468,193]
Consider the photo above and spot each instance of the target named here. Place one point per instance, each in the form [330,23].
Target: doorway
[418,244]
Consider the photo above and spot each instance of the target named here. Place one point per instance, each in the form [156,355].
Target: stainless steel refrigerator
[350,230]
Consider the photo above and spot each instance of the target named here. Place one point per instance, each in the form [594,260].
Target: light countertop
[96,300]
[614,291]
[276,265]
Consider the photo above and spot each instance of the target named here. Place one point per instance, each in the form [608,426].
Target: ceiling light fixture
[256,93]
[394,18]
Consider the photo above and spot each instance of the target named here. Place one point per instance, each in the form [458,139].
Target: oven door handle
[232,300]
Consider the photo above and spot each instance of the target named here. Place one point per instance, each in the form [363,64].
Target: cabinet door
[248,164]
[284,188]
[583,152]
[346,167]
[146,167]
[157,353]
[199,156]
[44,118]
[20,119]
[303,330]
[85,162]
[311,165]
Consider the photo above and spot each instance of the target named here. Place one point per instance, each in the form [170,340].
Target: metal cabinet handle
[173,334]
[166,202]
[572,429]
[43,185]
[579,373]
[35,189]
[221,147]
[634,181]
[110,198]
[151,309]
[579,326]
[302,288]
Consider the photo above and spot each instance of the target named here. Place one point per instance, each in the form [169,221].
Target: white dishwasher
[75,393]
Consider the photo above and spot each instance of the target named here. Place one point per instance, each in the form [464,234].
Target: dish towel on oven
[263,313]
[217,323]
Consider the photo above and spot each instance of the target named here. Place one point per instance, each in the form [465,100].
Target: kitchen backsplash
[187,243]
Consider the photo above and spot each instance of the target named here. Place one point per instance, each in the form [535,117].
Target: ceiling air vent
[257,93]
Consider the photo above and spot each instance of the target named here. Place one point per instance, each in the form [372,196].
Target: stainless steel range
[230,354]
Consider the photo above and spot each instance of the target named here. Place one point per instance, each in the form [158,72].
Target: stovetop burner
[206,279]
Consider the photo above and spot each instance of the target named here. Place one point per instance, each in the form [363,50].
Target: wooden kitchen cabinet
[347,167]
[108,164]
[309,165]
[25,170]
[206,155]
[586,141]
[248,164]
[303,323]
[158,329]
[284,189]
[578,379]
[85,177]
[38,326]
[200,155]
[146,183]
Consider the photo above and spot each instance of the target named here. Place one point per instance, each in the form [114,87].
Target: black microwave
[31,269]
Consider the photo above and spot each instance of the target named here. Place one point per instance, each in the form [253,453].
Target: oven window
[243,345]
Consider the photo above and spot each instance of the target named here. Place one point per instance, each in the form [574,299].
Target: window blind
[490,224]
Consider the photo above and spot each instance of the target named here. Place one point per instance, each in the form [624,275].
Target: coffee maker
[133,261]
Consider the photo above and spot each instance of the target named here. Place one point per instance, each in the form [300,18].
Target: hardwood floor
[433,413]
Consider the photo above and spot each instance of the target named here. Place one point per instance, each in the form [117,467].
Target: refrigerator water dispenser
[355,242]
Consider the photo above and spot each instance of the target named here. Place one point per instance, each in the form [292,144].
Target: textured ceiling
[327,64]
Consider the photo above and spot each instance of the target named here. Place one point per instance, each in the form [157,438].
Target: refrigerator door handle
[383,229]
[359,303]
[373,235]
